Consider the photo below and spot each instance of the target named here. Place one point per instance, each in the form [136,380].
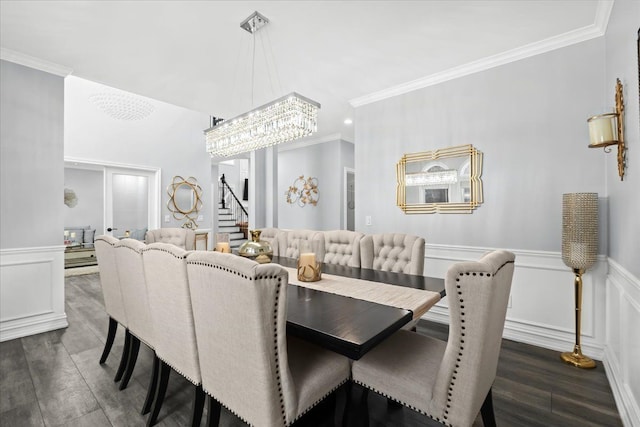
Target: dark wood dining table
[346,325]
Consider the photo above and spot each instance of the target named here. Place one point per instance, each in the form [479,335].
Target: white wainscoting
[541,312]
[622,351]
[541,306]
[31,291]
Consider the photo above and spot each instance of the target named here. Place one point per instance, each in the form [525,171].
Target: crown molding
[597,29]
[294,145]
[33,62]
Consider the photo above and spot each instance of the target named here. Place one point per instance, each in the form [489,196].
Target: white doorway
[127,199]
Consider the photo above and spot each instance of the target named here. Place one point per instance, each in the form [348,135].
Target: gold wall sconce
[608,129]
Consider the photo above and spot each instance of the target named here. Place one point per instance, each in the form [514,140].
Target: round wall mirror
[185,200]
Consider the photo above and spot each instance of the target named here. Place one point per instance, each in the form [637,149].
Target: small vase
[256,249]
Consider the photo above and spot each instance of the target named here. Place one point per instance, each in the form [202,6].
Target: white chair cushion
[181,237]
[342,247]
[291,242]
[134,288]
[165,269]
[400,253]
[403,368]
[107,266]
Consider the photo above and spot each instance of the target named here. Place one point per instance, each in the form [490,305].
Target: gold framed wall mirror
[185,200]
[447,180]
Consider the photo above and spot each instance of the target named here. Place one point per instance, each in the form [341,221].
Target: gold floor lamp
[579,252]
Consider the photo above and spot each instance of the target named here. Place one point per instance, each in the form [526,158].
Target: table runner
[417,300]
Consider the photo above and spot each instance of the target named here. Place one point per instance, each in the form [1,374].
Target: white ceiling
[195,55]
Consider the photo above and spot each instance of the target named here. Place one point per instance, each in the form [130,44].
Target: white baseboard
[31,291]
[31,326]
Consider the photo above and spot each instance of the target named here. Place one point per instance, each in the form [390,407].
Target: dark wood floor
[54,379]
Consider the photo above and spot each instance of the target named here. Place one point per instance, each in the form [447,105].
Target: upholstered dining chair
[402,253]
[113,301]
[291,242]
[449,381]
[249,364]
[136,305]
[270,235]
[342,247]
[169,298]
[181,237]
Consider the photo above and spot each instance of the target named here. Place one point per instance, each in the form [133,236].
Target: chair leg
[161,389]
[363,408]
[488,417]
[213,412]
[134,348]
[111,334]
[198,406]
[124,357]
[151,390]
[347,402]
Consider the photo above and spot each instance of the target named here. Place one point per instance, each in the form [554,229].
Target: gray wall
[170,138]
[88,186]
[529,120]
[326,162]
[624,203]
[31,158]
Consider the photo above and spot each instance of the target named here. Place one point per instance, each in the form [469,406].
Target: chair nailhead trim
[317,401]
[165,250]
[196,383]
[228,409]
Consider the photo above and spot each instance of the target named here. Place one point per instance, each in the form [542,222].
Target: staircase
[227,224]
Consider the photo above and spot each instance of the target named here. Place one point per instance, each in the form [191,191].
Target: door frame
[345,189]
[155,182]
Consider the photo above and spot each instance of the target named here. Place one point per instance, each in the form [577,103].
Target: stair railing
[238,213]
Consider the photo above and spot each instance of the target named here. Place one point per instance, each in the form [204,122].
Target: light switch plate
[367,220]
[167,218]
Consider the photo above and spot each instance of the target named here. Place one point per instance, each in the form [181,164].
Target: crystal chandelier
[285,119]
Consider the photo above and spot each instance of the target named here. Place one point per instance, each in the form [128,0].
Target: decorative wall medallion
[70,198]
[303,191]
[122,106]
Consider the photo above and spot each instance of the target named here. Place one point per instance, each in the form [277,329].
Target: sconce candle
[608,129]
[603,129]
[223,247]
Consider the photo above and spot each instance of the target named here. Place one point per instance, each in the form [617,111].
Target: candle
[307,264]
[66,233]
[223,247]
[602,130]
[73,235]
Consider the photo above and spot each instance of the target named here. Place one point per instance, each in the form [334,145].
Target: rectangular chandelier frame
[288,118]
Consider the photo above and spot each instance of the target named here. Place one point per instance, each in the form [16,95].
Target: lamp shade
[579,229]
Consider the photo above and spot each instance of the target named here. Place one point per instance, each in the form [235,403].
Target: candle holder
[579,252]
[608,129]
[309,271]
[222,243]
